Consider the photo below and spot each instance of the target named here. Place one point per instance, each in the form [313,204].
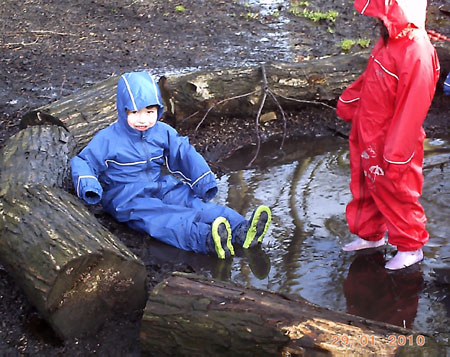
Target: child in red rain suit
[387,105]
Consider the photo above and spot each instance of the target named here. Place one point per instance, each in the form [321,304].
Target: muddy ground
[51,48]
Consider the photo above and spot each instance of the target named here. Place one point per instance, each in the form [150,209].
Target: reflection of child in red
[387,105]
[371,292]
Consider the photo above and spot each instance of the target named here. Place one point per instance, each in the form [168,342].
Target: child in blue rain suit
[121,167]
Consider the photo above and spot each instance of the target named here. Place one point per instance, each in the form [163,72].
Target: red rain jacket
[387,105]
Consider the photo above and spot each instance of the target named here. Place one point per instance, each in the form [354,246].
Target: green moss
[251,16]
[180,8]
[347,44]
[363,42]
[315,16]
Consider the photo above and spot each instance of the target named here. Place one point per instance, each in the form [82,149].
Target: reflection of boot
[221,270]
[218,241]
[404,259]
[374,293]
[258,261]
[252,232]
[359,244]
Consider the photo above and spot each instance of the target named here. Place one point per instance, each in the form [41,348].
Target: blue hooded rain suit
[121,167]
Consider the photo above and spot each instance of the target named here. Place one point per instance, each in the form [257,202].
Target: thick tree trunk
[188,315]
[72,270]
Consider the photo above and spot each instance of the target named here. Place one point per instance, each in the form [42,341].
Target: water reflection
[374,293]
[306,185]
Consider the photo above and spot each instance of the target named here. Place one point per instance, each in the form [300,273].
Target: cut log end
[91,289]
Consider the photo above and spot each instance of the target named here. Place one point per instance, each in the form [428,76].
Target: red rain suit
[387,105]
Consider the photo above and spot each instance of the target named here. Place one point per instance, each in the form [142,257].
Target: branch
[305,101]
[265,91]
[282,114]
[258,139]
[263,101]
[220,102]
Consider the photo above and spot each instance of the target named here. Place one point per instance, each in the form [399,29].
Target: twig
[62,85]
[220,102]
[305,101]
[15,33]
[190,116]
[258,139]
[52,32]
[11,44]
[263,101]
[282,114]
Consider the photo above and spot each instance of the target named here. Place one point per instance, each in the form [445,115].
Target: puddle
[306,184]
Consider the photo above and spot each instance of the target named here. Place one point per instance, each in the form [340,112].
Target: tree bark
[36,155]
[72,270]
[87,111]
[188,315]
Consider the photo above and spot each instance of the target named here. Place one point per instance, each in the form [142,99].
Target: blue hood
[135,91]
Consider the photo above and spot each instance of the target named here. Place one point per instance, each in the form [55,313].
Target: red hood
[395,14]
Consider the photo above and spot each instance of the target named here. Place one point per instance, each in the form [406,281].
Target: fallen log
[317,81]
[75,272]
[196,316]
[86,112]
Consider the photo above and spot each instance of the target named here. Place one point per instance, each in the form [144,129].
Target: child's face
[142,119]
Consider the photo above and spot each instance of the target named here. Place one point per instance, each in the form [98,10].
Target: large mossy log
[191,316]
[313,82]
[86,112]
[75,272]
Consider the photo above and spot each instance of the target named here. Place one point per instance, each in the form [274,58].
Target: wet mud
[52,48]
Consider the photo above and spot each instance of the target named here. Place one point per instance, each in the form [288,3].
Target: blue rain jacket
[121,167]
[447,85]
